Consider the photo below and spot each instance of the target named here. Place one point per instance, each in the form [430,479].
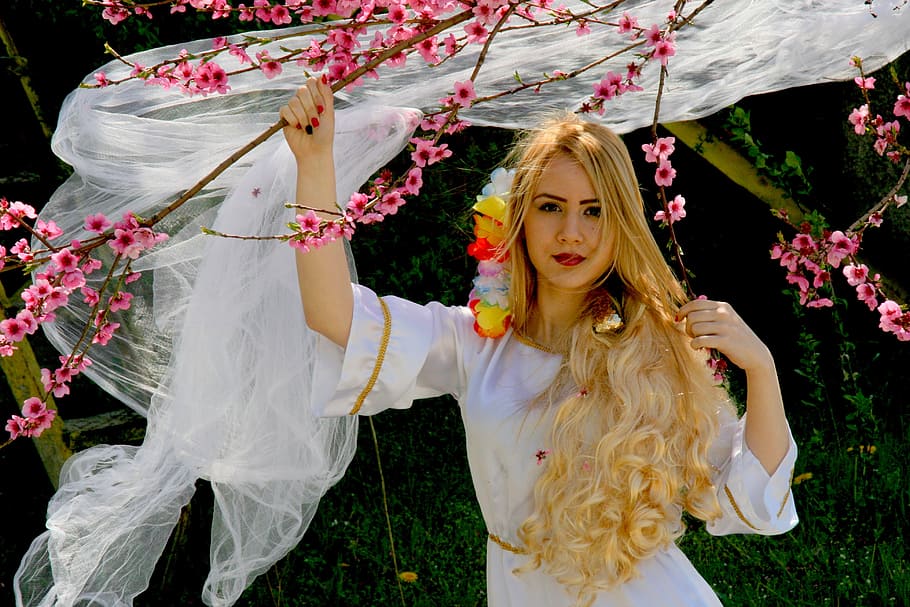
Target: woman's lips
[568,259]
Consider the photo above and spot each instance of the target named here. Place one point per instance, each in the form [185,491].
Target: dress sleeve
[397,351]
[752,501]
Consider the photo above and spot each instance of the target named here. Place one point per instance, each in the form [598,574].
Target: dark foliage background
[842,378]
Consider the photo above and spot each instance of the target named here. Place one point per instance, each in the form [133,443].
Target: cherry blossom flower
[464,93]
[627,24]
[663,50]
[856,275]
[867,84]
[842,247]
[665,174]
[660,149]
[858,118]
[676,208]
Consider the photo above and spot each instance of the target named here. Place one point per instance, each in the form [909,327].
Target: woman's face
[562,230]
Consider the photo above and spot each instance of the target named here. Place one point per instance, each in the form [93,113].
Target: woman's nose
[569,229]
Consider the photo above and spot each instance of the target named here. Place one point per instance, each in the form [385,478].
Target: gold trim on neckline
[533,344]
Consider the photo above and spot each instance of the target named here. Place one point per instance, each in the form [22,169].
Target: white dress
[399,351]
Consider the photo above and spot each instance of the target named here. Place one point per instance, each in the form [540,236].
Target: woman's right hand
[310,115]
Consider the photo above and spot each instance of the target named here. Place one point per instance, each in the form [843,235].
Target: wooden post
[23,373]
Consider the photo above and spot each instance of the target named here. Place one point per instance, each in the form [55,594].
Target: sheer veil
[215,350]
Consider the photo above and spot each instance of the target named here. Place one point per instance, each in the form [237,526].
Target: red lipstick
[568,259]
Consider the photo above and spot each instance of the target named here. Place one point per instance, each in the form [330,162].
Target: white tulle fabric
[215,349]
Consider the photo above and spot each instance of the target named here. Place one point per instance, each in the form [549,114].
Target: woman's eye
[549,207]
[592,211]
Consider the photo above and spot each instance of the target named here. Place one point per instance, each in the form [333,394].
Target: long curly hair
[629,444]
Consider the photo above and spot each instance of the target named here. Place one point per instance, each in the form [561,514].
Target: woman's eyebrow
[561,199]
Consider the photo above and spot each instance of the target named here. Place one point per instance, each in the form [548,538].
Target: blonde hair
[629,451]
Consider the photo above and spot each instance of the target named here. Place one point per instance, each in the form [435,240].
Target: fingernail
[319,109]
[298,127]
[325,79]
[314,121]
[309,130]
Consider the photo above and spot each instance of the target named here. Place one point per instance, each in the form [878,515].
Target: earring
[606,319]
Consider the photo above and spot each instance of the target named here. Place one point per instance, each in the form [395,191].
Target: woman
[593,421]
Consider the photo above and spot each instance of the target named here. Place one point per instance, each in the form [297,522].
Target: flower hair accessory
[489,299]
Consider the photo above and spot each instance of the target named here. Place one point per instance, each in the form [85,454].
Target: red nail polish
[325,79]
[319,109]
[298,127]
[314,121]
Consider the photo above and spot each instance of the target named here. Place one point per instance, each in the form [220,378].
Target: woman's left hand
[715,324]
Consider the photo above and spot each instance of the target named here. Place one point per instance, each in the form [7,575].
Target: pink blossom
[660,149]
[665,174]
[269,66]
[280,15]
[856,275]
[902,106]
[804,244]
[105,333]
[390,203]
[450,44]
[858,118]
[414,181]
[842,247]
[676,208]
[124,243]
[13,329]
[211,77]
[865,83]
[52,386]
[65,261]
[582,29]
[397,13]
[120,301]
[627,23]
[309,222]
[605,89]
[866,293]
[653,35]
[357,205]
[90,296]
[477,33]
[91,265]
[429,49]
[663,50]
[101,79]
[57,298]
[799,280]
[115,14]
[900,201]
[464,93]
[219,43]
[49,229]
[823,302]
[240,53]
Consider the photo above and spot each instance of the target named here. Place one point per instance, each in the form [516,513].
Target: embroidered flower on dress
[541,455]
[489,299]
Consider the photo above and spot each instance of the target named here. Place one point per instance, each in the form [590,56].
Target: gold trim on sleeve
[380,357]
[784,503]
[736,509]
[506,545]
